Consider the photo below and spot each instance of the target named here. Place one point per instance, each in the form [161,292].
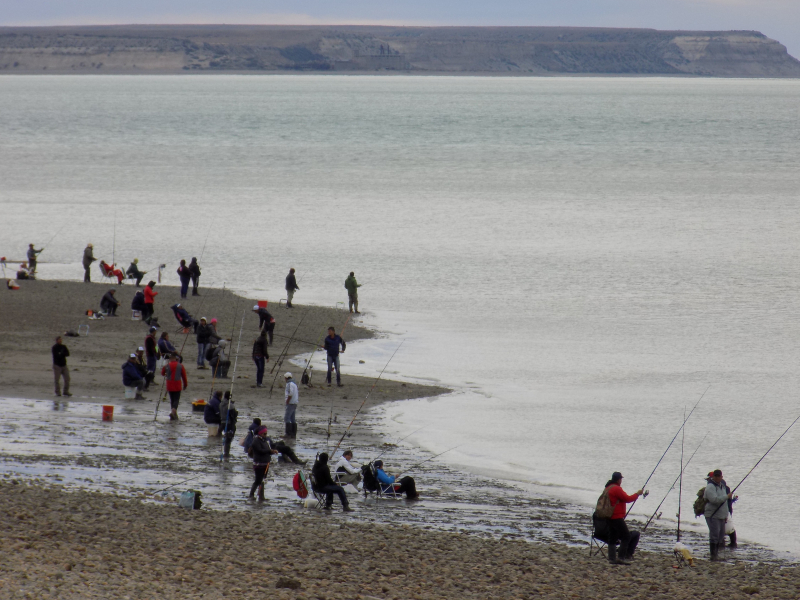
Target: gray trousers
[716,530]
[288,416]
[58,373]
[351,478]
[289,296]
[353,302]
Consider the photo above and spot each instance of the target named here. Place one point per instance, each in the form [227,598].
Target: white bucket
[130,392]
[136,315]
[212,430]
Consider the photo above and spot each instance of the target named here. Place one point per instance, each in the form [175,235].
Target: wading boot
[733,543]
[261,493]
[714,550]
[294,430]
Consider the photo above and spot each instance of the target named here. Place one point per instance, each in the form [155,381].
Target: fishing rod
[52,238]
[215,371]
[680,484]
[398,442]
[679,477]
[365,400]
[630,508]
[759,462]
[114,241]
[186,337]
[419,464]
[204,245]
[233,380]
[179,483]
[283,355]
[286,337]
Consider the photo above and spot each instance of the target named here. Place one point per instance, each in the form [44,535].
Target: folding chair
[318,496]
[598,541]
[371,485]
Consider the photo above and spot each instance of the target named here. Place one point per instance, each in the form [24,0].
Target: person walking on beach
[292,396]
[32,252]
[262,456]
[194,269]
[131,376]
[175,374]
[345,472]
[352,291]
[291,287]
[60,370]
[185,276]
[260,356]
[323,483]
[716,512]
[617,528]
[149,301]
[332,344]
[133,272]
[88,259]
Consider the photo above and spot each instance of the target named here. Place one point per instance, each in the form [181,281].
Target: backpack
[304,379]
[209,353]
[370,479]
[700,504]
[299,486]
[604,508]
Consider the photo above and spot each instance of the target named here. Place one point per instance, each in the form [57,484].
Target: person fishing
[175,375]
[131,377]
[149,301]
[260,356]
[332,344]
[390,484]
[266,321]
[185,276]
[194,270]
[211,411]
[88,259]
[292,399]
[716,511]
[291,287]
[219,361]
[133,272]
[166,348]
[228,415]
[617,528]
[109,303]
[346,472]
[151,352]
[261,453]
[32,252]
[206,335]
[323,484]
[352,291]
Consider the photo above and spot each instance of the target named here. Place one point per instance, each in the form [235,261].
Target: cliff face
[489,50]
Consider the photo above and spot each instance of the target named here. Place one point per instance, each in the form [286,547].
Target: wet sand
[457,537]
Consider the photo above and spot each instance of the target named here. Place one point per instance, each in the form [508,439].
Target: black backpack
[371,483]
[210,352]
[138,301]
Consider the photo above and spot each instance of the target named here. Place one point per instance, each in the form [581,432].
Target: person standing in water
[352,291]
[32,252]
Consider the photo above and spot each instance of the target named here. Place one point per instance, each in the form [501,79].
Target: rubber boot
[261,493]
[294,430]
[733,543]
[612,554]
[287,430]
[714,550]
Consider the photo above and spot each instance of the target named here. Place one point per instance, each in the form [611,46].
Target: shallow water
[580,257]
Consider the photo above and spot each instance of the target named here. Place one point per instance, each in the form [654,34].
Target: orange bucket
[262,304]
[108,413]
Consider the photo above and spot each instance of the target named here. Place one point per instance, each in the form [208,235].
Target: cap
[616,476]
[261,430]
[203,319]
[717,473]
[378,464]
[287,375]
[178,304]
[255,307]
[90,245]
[141,349]
[133,356]
[153,328]
[136,261]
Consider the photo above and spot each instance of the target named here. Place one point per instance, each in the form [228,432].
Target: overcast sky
[778,19]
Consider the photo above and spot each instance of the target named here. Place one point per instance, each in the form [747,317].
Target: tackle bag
[700,504]
[304,378]
[370,478]
[604,508]
[299,486]
[210,352]
[190,499]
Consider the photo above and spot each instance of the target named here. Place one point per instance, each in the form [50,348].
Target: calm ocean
[579,258]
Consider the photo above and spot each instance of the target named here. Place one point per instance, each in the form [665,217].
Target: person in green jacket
[352,291]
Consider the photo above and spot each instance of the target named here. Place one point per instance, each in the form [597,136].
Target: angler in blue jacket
[211,412]
[390,484]
[131,377]
[332,344]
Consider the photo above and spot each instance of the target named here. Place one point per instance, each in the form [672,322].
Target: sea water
[580,259]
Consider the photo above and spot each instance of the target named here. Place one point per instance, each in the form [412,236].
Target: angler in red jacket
[174,372]
[618,529]
[149,300]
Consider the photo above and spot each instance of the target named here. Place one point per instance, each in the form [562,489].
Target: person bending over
[323,483]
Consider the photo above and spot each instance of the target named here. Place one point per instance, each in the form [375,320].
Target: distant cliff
[480,50]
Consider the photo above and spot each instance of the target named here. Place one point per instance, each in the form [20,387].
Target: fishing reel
[645,493]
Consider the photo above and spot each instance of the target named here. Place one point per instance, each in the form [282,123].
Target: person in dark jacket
[166,348]
[151,352]
[286,452]
[262,456]
[194,269]
[228,415]
[291,287]
[323,483]
[251,434]
[60,354]
[185,276]
[32,252]
[141,366]
[133,272]
[219,361]
[332,344]
[131,376]
[109,303]
[206,335]
[88,259]
[266,322]
[352,291]
[183,317]
[138,302]
[260,356]
[211,412]
[406,485]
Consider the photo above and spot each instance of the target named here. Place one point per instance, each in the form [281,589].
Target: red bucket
[108,413]
[262,304]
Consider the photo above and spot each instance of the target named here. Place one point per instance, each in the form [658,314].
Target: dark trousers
[408,486]
[260,472]
[259,369]
[287,451]
[174,398]
[628,540]
[330,490]
[87,277]
[195,284]
[185,286]
[147,313]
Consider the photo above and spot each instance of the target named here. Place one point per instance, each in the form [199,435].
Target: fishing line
[398,442]
[283,355]
[419,464]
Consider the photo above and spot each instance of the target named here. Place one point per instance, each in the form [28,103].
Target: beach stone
[287,582]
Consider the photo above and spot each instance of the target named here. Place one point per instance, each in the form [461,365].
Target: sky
[778,19]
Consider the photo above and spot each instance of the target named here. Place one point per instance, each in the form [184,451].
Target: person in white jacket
[347,473]
[292,400]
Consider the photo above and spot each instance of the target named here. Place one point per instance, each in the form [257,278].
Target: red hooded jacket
[176,373]
[619,499]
